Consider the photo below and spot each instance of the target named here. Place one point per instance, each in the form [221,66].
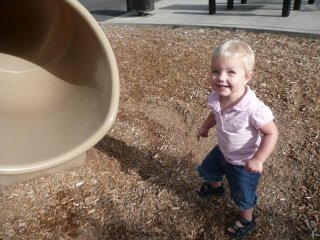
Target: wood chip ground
[139,181]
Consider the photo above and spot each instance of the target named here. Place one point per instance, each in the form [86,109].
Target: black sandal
[241,231]
[206,190]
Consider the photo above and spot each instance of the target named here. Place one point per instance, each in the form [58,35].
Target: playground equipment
[59,87]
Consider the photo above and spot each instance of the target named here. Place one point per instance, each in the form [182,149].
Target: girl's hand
[203,132]
[254,165]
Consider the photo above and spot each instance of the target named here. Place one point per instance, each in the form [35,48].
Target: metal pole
[230,4]
[286,8]
[129,7]
[297,4]
[212,7]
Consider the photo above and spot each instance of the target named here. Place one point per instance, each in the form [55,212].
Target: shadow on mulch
[178,175]
[157,168]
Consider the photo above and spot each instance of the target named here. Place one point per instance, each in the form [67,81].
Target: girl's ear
[249,76]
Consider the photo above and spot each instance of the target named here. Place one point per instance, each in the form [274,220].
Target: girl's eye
[215,72]
[231,72]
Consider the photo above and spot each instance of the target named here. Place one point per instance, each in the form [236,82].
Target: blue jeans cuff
[208,177]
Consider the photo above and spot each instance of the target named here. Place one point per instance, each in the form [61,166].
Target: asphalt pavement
[103,10]
[260,15]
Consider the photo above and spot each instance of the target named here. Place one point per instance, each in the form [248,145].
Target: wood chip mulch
[139,181]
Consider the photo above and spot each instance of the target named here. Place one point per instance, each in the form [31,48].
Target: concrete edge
[312,35]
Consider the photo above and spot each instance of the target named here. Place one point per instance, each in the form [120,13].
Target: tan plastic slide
[59,87]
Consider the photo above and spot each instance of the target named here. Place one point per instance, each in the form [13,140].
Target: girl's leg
[212,173]
[210,169]
[243,186]
[247,214]
[216,184]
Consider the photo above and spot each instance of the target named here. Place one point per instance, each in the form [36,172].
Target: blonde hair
[236,49]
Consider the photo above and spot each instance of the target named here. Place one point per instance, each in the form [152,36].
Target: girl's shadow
[175,174]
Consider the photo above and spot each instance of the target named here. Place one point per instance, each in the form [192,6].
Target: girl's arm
[268,142]
[207,124]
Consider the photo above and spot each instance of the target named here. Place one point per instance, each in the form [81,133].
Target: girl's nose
[222,77]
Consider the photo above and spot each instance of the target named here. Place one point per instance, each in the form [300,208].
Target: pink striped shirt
[238,128]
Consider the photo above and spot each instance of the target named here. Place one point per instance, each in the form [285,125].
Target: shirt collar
[246,100]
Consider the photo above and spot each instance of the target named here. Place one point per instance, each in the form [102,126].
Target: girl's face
[229,78]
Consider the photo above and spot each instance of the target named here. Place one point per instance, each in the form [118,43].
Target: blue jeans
[242,184]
